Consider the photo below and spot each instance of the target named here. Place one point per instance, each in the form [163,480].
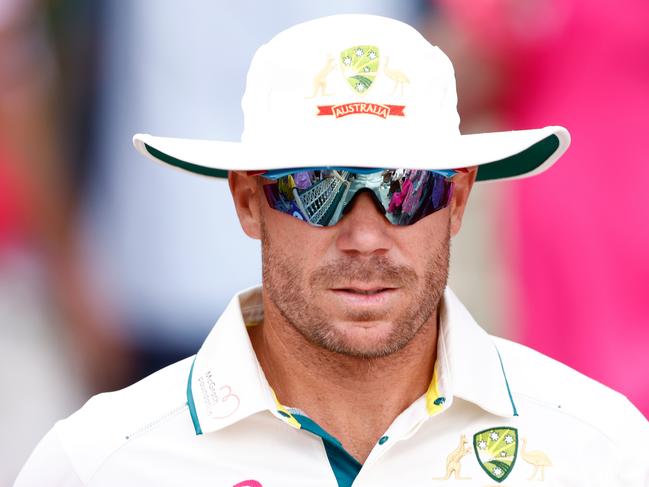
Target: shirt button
[439,401]
[383,439]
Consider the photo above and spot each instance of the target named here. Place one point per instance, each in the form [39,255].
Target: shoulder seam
[145,429]
[152,424]
[564,412]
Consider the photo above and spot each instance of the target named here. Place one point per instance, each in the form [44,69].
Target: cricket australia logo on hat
[496,450]
[360,66]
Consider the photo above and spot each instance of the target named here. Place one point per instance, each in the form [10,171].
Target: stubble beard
[283,281]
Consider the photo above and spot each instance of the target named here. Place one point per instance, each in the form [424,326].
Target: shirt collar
[226,383]
[470,362]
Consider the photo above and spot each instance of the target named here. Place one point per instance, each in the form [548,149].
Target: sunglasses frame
[280,190]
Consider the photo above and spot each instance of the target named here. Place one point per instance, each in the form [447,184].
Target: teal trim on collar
[190,402]
[344,466]
[502,367]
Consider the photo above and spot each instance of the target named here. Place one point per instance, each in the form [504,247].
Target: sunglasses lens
[415,195]
[315,196]
[321,196]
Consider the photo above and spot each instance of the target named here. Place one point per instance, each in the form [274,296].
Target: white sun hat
[360,91]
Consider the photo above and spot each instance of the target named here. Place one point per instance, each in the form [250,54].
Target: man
[353,363]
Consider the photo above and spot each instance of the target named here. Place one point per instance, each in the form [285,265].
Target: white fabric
[144,435]
[302,69]
[386,149]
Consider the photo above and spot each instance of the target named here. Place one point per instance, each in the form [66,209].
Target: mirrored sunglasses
[322,196]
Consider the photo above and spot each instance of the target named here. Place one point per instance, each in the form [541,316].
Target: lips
[365,296]
[364,288]
[364,292]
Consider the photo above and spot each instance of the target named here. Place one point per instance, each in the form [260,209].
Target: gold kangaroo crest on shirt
[496,450]
[453,465]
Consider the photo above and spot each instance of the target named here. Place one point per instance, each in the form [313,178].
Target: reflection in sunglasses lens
[321,196]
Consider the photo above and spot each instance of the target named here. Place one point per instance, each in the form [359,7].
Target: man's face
[363,287]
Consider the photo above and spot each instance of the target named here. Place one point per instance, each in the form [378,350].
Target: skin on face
[363,288]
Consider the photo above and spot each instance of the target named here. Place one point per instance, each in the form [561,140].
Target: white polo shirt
[496,413]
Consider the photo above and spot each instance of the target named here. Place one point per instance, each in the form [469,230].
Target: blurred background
[112,266]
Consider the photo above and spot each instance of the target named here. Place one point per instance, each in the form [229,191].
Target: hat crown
[348,79]
[359,91]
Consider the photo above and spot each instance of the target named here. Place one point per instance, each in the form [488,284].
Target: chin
[368,339]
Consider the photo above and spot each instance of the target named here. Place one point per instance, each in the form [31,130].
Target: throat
[353,400]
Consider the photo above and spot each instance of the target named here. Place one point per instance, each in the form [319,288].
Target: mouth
[363,292]
[365,295]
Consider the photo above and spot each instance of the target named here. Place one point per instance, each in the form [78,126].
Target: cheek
[300,245]
[290,233]
[420,242]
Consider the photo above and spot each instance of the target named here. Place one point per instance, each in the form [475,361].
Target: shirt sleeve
[632,468]
[48,466]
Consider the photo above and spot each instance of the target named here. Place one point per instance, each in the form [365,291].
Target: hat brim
[499,155]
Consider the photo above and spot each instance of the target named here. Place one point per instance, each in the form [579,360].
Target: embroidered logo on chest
[496,450]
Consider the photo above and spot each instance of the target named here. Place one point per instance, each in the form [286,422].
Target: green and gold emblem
[360,65]
[496,450]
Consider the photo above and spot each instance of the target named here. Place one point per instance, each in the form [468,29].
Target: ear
[463,184]
[246,192]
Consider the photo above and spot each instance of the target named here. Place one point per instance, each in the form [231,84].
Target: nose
[364,230]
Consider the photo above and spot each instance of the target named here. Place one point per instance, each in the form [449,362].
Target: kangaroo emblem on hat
[320,79]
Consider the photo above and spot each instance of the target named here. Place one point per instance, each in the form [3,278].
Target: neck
[332,388]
